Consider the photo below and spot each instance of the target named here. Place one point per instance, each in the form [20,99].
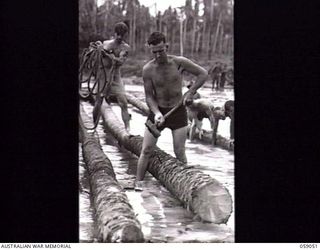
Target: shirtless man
[229,112]
[203,108]
[163,90]
[118,51]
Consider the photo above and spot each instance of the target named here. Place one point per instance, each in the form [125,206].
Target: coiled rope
[92,59]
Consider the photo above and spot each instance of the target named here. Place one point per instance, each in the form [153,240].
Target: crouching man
[203,108]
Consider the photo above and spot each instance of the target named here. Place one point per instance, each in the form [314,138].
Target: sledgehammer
[153,128]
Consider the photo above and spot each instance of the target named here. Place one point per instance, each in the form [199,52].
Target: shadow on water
[161,215]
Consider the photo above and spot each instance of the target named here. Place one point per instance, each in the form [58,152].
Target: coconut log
[198,192]
[207,136]
[220,140]
[116,220]
[138,104]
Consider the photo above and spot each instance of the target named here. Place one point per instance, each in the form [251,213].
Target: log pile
[115,218]
[198,192]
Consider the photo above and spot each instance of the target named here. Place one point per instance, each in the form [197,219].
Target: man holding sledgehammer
[163,89]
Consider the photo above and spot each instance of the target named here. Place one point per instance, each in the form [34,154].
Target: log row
[115,218]
[198,192]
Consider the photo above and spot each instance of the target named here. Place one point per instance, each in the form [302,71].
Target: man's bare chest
[166,77]
[114,48]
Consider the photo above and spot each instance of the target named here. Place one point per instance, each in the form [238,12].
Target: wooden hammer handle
[175,107]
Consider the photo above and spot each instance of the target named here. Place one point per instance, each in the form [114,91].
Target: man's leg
[148,145]
[192,130]
[218,82]
[122,100]
[192,116]
[179,141]
[199,127]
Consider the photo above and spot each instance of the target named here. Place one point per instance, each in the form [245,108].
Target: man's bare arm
[122,57]
[148,89]
[194,69]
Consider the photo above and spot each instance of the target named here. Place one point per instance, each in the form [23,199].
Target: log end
[213,203]
[127,234]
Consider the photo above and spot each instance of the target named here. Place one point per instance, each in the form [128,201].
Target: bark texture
[116,220]
[198,192]
[138,104]
[207,136]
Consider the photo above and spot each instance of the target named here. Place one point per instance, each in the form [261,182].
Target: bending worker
[203,108]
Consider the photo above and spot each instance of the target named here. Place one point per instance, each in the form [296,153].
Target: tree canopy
[199,28]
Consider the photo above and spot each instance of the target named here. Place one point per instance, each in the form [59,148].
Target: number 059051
[308,245]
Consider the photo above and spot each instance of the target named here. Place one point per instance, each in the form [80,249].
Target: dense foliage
[200,28]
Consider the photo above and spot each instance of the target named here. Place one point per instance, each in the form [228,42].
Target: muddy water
[162,217]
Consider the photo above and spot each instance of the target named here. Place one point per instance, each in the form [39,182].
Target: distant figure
[223,76]
[230,76]
[119,51]
[163,89]
[215,74]
[203,108]
[229,112]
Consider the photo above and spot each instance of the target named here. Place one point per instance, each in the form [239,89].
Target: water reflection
[162,217]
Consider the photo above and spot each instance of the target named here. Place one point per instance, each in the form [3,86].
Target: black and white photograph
[156,121]
[119,124]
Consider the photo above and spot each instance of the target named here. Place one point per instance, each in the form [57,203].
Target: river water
[161,215]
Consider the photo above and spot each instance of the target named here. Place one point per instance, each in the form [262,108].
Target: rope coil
[92,59]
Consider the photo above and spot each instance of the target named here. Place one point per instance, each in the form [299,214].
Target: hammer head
[153,129]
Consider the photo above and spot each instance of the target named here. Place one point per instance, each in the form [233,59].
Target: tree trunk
[204,35]
[115,218]
[221,39]
[208,42]
[141,106]
[198,192]
[185,35]
[94,17]
[173,39]
[181,37]
[193,36]
[221,141]
[209,39]
[165,31]
[216,36]
[134,28]
[198,41]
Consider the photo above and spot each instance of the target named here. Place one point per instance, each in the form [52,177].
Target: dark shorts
[178,119]
[202,115]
